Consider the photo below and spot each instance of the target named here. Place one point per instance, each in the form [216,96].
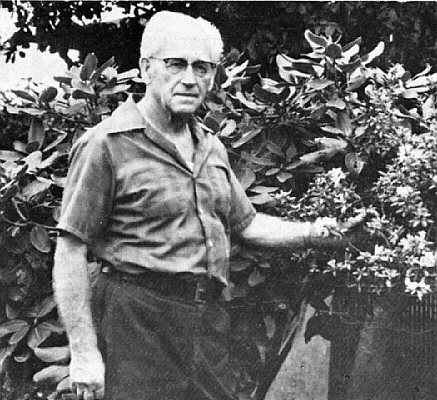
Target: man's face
[179,93]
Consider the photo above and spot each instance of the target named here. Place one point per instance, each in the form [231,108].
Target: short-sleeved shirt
[137,203]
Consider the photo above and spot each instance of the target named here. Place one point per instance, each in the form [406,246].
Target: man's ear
[145,70]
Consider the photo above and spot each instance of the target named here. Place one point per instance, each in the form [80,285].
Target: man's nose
[188,76]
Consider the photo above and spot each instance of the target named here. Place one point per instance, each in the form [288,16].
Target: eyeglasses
[179,65]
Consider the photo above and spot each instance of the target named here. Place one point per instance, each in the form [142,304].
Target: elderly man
[154,197]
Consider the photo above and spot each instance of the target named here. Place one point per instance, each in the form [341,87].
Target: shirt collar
[127,117]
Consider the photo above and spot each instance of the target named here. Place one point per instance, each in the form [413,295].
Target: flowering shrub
[327,136]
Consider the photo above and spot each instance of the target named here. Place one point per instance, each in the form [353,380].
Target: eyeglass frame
[167,59]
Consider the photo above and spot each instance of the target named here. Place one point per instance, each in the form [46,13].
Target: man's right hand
[87,376]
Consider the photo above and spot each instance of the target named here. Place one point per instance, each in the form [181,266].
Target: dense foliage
[327,137]
[406,27]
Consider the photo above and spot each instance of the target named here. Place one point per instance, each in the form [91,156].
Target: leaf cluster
[33,173]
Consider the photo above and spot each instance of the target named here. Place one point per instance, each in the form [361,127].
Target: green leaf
[59,180]
[110,73]
[57,141]
[12,312]
[40,239]
[255,278]
[314,157]
[50,160]
[247,136]
[284,176]
[88,67]
[24,95]
[229,128]
[48,95]
[36,187]
[212,123]
[319,84]
[82,87]
[275,149]
[34,112]
[351,67]
[38,335]
[53,354]
[19,146]
[354,163]
[5,352]
[326,142]
[128,75]
[33,161]
[52,374]
[264,95]
[264,189]
[98,72]
[343,122]
[7,155]
[272,171]
[19,334]
[36,132]
[376,52]
[239,265]
[348,46]
[46,306]
[337,103]
[56,326]
[260,199]
[248,103]
[315,41]
[12,326]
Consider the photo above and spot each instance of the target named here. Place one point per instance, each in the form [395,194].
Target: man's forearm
[268,231]
[72,291]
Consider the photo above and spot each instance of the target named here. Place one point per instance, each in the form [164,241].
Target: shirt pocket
[159,197]
[219,178]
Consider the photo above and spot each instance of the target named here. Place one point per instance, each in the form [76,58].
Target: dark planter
[385,348]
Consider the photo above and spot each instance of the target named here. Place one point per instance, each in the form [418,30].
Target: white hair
[166,25]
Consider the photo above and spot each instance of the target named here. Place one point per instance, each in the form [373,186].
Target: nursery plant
[327,135]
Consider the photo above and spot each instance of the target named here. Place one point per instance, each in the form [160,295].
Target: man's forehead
[186,46]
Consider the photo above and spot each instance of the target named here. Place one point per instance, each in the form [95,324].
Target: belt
[188,287]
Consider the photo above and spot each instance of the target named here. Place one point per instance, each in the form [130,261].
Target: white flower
[417,288]
[407,151]
[336,175]
[404,191]
[428,260]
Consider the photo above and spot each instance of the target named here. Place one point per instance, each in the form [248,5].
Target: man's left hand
[328,232]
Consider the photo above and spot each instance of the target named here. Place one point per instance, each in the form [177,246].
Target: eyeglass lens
[178,65]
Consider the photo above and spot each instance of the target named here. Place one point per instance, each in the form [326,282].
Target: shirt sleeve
[242,211]
[87,197]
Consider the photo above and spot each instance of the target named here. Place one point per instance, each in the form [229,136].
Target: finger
[354,221]
[80,389]
[336,232]
[79,393]
[100,393]
[89,394]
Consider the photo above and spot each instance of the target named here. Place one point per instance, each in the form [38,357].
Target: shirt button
[210,243]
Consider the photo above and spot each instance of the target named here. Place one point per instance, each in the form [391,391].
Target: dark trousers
[160,348]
